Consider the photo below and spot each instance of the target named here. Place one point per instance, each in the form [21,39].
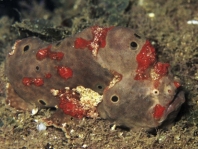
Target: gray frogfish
[111,73]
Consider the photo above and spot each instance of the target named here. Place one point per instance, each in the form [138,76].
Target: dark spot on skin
[26,48]
[37,68]
[134,45]
[42,102]
[114,98]
[100,87]
[136,35]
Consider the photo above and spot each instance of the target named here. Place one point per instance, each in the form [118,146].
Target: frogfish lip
[173,107]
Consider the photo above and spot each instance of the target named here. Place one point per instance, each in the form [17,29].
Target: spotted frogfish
[111,73]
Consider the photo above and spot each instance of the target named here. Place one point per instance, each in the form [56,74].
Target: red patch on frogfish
[98,41]
[47,53]
[81,43]
[48,75]
[177,84]
[158,111]
[64,72]
[29,81]
[161,68]
[71,106]
[145,59]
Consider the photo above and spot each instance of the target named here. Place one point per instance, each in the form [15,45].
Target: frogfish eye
[114,98]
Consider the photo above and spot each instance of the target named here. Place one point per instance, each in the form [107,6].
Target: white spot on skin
[117,77]
[154,75]
[14,47]
[54,92]
[67,88]
[12,52]
[89,99]
[94,43]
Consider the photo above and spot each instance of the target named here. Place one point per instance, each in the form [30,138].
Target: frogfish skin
[110,73]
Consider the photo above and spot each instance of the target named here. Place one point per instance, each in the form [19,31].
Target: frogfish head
[138,104]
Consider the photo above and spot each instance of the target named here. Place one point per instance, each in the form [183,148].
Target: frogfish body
[110,72]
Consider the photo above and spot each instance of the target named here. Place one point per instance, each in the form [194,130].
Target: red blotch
[177,84]
[64,72]
[161,68]
[158,111]
[156,83]
[42,53]
[99,36]
[47,53]
[38,81]
[98,41]
[145,59]
[55,55]
[27,81]
[71,107]
[48,75]
[81,43]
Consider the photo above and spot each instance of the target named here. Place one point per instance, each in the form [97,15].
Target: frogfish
[101,72]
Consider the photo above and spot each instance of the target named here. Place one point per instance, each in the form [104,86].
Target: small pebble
[41,127]
[195,22]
